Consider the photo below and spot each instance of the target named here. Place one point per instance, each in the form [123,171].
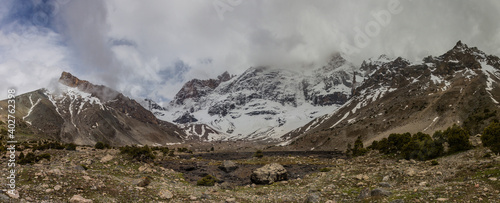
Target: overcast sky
[150,48]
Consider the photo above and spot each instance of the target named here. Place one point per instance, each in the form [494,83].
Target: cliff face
[195,89]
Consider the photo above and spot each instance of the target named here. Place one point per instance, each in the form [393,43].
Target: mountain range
[316,108]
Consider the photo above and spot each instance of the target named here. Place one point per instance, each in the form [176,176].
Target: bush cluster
[71,146]
[143,154]
[101,145]
[48,145]
[491,137]
[259,154]
[325,169]
[208,180]
[184,150]
[31,158]
[421,146]
[164,150]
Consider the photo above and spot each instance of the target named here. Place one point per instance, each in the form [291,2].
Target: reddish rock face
[72,81]
[196,88]
[102,92]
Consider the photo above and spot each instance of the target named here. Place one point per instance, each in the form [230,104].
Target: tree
[358,149]
[491,137]
[396,142]
[457,138]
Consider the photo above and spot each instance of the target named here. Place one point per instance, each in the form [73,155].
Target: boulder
[106,158]
[313,198]
[269,174]
[143,182]
[166,194]
[228,166]
[379,192]
[385,184]
[79,199]
[365,193]
[13,195]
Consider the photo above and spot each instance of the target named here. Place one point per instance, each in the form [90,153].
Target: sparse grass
[208,180]
[325,169]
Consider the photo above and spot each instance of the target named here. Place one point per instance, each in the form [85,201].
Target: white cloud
[129,45]
[30,60]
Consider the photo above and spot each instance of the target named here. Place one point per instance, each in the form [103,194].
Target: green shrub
[208,180]
[48,145]
[101,145]
[184,150]
[422,147]
[212,149]
[32,158]
[434,162]
[325,169]
[143,154]
[259,154]
[396,142]
[164,150]
[44,156]
[358,149]
[2,148]
[171,153]
[457,138]
[491,137]
[71,146]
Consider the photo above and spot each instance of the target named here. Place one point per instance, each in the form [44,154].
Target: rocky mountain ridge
[83,113]
[262,103]
[459,87]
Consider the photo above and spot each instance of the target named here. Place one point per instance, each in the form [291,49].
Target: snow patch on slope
[31,108]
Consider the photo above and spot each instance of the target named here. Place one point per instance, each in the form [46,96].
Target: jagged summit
[194,89]
[102,92]
[72,81]
[460,46]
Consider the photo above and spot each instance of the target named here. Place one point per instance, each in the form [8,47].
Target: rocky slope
[459,87]
[263,103]
[107,176]
[84,113]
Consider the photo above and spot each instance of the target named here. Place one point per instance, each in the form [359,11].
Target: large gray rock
[79,199]
[269,174]
[365,193]
[228,166]
[143,181]
[313,198]
[379,192]
[166,194]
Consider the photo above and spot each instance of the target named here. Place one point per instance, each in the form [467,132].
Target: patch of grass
[325,169]
[208,180]
[143,154]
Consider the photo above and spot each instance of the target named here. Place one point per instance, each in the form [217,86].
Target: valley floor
[111,177]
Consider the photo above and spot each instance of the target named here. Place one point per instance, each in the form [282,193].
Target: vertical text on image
[11,141]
